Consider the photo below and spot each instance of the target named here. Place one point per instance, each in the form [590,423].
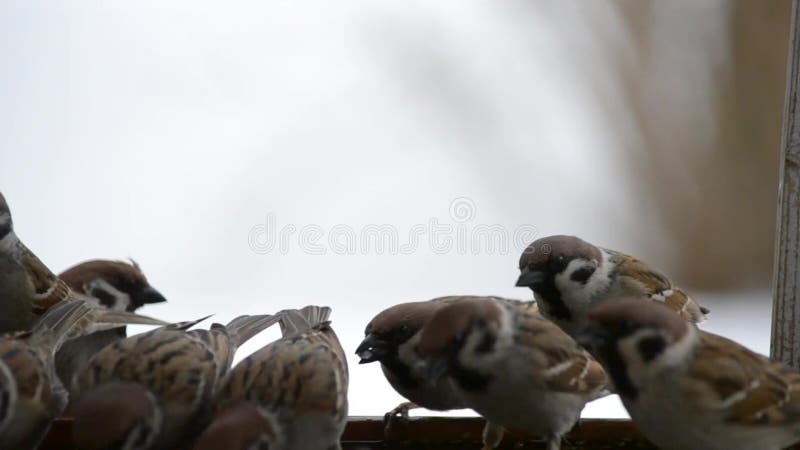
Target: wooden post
[786,281]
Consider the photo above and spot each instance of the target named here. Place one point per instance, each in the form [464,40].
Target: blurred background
[246,154]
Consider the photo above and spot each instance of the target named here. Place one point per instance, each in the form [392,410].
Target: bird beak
[530,278]
[372,349]
[149,295]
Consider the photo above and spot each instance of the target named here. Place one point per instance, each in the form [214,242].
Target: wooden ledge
[433,433]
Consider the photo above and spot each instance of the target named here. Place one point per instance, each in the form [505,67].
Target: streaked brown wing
[753,389]
[176,367]
[48,288]
[685,305]
[651,279]
[567,367]
[30,372]
[219,343]
[639,277]
[300,373]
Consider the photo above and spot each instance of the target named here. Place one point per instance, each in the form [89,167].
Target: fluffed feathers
[176,368]
[100,424]
[224,340]
[31,395]
[391,338]
[685,388]
[512,366]
[242,427]
[301,378]
[568,276]
[27,286]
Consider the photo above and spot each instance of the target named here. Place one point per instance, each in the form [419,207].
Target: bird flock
[601,323]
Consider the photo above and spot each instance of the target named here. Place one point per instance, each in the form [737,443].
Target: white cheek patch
[407,351]
[120,300]
[678,352]
[579,296]
[470,357]
[674,355]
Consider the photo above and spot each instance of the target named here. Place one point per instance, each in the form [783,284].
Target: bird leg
[492,435]
[400,411]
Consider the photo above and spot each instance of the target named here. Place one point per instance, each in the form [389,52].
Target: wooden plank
[440,433]
[786,282]
[443,433]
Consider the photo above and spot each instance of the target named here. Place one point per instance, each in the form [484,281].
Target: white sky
[167,132]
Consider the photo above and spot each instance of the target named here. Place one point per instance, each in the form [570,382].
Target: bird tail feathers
[307,318]
[243,328]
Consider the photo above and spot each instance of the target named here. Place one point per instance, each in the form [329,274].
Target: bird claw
[401,412]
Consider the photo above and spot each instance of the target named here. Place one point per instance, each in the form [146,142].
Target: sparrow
[178,373]
[512,366]
[116,285]
[686,389]
[244,426]
[296,388]
[391,338]
[28,288]
[137,425]
[31,395]
[569,275]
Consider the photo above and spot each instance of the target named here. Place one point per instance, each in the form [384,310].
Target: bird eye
[558,264]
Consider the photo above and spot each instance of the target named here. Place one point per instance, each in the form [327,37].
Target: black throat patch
[551,297]
[615,366]
[650,347]
[400,370]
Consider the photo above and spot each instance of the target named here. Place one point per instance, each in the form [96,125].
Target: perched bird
[28,288]
[244,426]
[569,275]
[296,389]
[116,285]
[177,373]
[103,424]
[686,389]
[391,338]
[224,340]
[31,396]
[512,366]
